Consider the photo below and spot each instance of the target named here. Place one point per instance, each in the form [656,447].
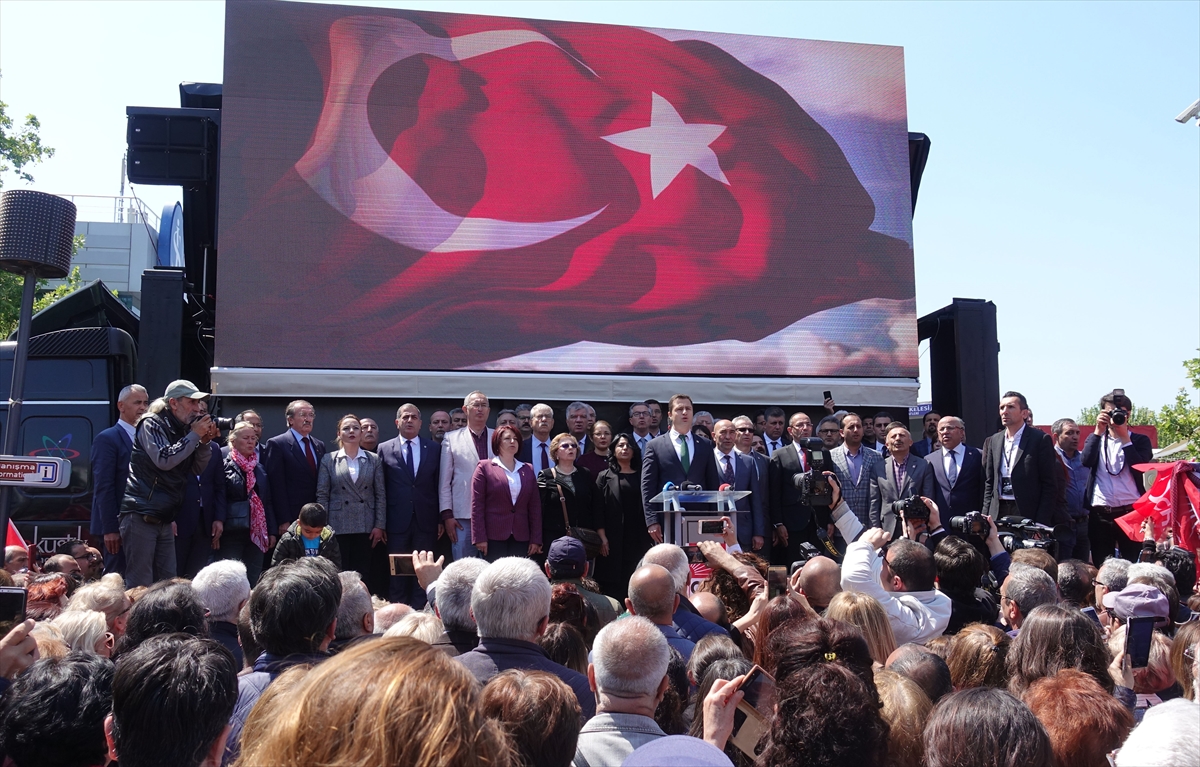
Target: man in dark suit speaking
[410,475]
[292,459]
[110,470]
[676,456]
[957,471]
[1020,474]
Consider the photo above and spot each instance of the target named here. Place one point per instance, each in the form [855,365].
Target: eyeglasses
[745,430]
[89,557]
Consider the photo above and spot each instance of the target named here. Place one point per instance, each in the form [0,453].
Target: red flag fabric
[1173,502]
[14,537]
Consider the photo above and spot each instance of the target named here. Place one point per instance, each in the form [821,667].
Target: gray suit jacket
[459,459]
[857,496]
[918,480]
[353,506]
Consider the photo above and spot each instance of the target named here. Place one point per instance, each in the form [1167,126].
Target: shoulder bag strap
[561,499]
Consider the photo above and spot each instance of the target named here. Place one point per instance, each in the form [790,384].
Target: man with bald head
[711,608]
[652,595]
[957,470]
[411,470]
[819,581]
[739,472]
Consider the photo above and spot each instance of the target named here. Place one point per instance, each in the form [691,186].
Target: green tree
[1181,419]
[22,148]
[1141,416]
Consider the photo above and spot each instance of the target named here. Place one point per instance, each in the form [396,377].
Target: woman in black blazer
[240,537]
[578,490]
[619,506]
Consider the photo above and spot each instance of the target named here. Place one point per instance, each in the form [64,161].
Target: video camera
[813,486]
[1014,532]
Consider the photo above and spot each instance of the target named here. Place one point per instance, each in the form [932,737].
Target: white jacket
[459,460]
[916,616]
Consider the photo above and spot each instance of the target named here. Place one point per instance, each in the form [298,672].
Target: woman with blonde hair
[108,596]
[423,626]
[978,656]
[906,707]
[86,631]
[394,701]
[865,612]
[350,487]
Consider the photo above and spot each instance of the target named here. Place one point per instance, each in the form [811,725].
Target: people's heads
[46,595]
[564,447]
[458,418]
[568,605]
[1066,435]
[674,559]
[356,614]
[577,419]
[564,644]
[929,425]
[711,608]
[625,450]
[222,587]
[880,424]
[454,587]
[16,559]
[478,409]
[906,708]
[1074,582]
[868,615]
[313,517]
[53,714]
[908,566]
[1054,637]
[1039,558]
[743,433]
[708,650]
[830,431]
[86,631]
[108,596]
[389,615]
[800,426]
[680,413]
[183,400]
[774,421]
[418,625]
[1084,721]
[1183,648]
[1024,589]
[524,417]
[408,421]
[820,579]
[1138,600]
[541,420]
[951,431]
[1181,564]
[294,606]
[1166,737]
[629,661]
[757,445]
[983,727]
[538,711]
[439,424]
[172,697]
[1112,576]
[925,668]
[656,414]
[243,438]
[511,600]
[253,418]
[1113,400]
[300,416]
[508,417]
[898,439]
[1157,674]
[1013,408]
[601,435]
[369,436]
[639,417]
[389,722]
[506,441]
[167,607]
[67,565]
[724,435]
[652,594]
[349,431]
[852,430]
[566,558]
[977,657]
[960,567]
[132,402]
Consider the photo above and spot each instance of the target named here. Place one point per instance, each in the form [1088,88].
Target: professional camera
[1118,415]
[808,552]
[973,523]
[813,486]
[911,508]
[224,424]
[1021,533]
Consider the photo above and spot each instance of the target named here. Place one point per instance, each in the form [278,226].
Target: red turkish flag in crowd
[1173,502]
[517,185]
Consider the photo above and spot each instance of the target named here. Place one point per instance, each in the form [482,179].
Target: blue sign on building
[170,236]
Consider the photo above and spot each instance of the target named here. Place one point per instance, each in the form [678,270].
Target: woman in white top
[350,487]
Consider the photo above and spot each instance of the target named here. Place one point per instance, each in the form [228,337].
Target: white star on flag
[672,145]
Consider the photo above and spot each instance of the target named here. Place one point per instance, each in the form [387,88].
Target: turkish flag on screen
[517,185]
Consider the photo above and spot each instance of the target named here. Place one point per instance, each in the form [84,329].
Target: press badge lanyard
[1007,460]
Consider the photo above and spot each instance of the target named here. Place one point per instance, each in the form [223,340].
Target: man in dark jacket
[1020,471]
[110,471]
[194,525]
[1111,452]
[410,473]
[166,454]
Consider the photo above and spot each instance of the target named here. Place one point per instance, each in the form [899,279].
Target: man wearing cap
[164,458]
[566,562]
[1137,600]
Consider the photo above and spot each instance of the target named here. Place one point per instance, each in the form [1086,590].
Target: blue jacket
[250,689]
[690,625]
[110,471]
[411,499]
[493,655]
[203,496]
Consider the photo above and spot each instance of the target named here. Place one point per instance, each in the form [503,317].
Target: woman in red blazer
[506,509]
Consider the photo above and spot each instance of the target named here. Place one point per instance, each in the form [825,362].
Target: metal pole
[16,397]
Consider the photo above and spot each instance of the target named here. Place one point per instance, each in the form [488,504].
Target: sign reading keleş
[50,473]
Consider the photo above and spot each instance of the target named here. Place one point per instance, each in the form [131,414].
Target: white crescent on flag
[349,169]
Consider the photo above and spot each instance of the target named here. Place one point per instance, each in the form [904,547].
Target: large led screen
[426,191]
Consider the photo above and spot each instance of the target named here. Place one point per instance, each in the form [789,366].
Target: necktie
[952,469]
[684,458]
[642,443]
[545,457]
[774,446]
[729,478]
[408,458]
[308,455]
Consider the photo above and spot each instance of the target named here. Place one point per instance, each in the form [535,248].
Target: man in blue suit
[739,472]
[957,471]
[292,459]
[678,457]
[194,523]
[110,470]
[410,474]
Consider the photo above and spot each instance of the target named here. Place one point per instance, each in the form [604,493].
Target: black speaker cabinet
[36,230]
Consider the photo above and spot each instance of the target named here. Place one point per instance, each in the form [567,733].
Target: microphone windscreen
[725,486]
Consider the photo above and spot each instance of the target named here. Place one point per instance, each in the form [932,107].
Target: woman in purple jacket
[506,510]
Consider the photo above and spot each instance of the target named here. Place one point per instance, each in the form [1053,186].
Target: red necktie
[308,454]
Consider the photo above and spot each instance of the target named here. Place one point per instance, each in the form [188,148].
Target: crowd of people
[550,615]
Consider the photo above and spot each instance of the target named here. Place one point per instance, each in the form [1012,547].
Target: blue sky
[1058,187]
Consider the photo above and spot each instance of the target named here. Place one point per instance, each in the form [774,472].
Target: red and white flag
[1173,502]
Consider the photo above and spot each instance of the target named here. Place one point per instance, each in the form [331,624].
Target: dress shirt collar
[341,453]
[300,441]
[516,465]
[1016,438]
[129,429]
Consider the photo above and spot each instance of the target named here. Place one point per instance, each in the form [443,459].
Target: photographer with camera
[797,492]
[899,481]
[169,450]
[1111,452]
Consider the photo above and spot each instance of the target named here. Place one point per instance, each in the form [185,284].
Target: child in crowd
[309,536]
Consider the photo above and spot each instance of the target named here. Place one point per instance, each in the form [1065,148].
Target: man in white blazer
[462,450]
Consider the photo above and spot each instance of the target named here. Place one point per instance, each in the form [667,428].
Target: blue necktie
[408,458]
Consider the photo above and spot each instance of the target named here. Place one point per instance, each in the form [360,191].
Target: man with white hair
[462,450]
[389,615]
[628,673]
[450,596]
[356,614]
[535,451]
[686,619]
[577,424]
[511,606]
[223,588]
[1025,588]
[110,454]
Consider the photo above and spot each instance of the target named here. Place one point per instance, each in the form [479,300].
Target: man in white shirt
[902,581]
[773,429]
[639,421]
[1111,452]
[535,451]
[957,470]
[677,456]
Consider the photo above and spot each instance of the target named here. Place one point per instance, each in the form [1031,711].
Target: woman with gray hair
[86,631]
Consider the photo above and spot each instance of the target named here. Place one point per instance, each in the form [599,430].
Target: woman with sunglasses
[565,485]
